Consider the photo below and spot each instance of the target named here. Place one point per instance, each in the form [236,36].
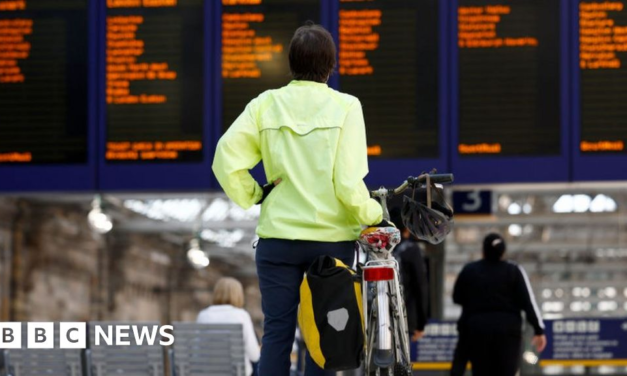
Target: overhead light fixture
[610,292]
[198,258]
[98,220]
[603,204]
[514,208]
[564,204]
[581,203]
[607,306]
[515,230]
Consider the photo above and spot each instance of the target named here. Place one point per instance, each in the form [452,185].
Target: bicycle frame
[390,308]
[391,352]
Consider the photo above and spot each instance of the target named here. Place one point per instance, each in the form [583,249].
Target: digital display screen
[388,58]
[256,35]
[603,75]
[154,81]
[509,78]
[43,81]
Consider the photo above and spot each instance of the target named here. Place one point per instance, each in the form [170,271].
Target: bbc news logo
[73,335]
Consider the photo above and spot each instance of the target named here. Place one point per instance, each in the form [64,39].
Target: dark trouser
[461,357]
[494,345]
[280,266]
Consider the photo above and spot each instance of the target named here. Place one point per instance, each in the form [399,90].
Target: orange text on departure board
[12,5]
[13,48]
[148,150]
[357,37]
[483,148]
[242,48]
[597,146]
[123,67]
[477,28]
[141,3]
[16,157]
[241,2]
[375,150]
[599,37]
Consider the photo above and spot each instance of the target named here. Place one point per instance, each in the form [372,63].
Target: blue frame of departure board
[512,169]
[258,172]
[159,176]
[394,171]
[587,167]
[55,178]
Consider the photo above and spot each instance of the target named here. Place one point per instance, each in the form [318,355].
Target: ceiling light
[581,203]
[98,220]
[514,209]
[198,258]
[564,204]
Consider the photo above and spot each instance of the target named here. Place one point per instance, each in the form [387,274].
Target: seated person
[227,308]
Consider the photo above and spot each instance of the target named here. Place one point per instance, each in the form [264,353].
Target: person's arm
[237,152]
[351,167]
[459,289]
[250,339]
[528,301]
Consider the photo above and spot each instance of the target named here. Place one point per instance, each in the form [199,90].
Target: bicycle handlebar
[411,181]
[435,178]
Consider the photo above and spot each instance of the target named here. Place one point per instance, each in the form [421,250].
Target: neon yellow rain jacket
[314,139]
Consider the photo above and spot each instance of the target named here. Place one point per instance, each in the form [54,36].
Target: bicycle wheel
[402,367]
[373,337]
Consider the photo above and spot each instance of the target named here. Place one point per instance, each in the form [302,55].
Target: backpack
[331,314]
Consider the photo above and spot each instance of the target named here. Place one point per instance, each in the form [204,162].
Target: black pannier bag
[331,314]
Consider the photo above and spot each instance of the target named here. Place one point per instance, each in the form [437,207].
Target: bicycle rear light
[374,274]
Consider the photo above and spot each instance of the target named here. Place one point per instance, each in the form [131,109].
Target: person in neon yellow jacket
[312,141]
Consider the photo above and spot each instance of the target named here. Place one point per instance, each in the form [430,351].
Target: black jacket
[494,294]
[414,280]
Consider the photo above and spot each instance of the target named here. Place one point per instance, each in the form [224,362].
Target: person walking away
[409,253]
[312,140]
[227,308]
[492,293]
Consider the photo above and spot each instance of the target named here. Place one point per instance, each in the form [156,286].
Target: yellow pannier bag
[331,314]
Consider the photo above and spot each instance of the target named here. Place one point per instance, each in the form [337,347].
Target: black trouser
[461,357]
[493,343]
[281,265]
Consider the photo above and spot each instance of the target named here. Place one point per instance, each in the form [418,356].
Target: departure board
[256,35]
[43,82]
[509,78]
[603,76]
[388,58]
[154,81]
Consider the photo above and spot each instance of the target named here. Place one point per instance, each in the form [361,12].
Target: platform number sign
[472,202]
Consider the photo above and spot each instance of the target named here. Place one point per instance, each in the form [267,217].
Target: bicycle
[386,318]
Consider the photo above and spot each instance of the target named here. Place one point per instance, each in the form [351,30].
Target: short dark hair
[312,53]
[493,247]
